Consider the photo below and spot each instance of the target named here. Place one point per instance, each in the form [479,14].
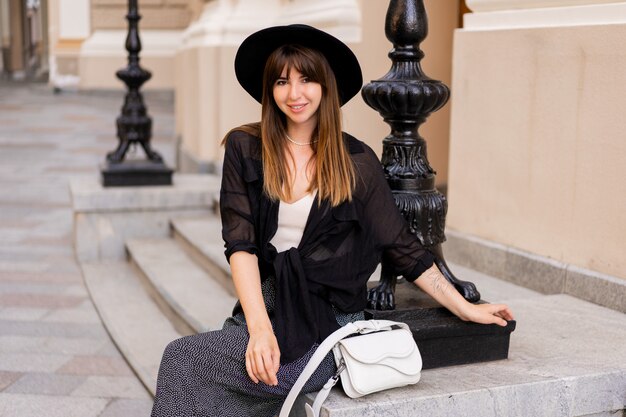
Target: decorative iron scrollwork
[405,97]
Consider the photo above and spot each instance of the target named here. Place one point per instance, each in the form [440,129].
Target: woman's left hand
[487,314]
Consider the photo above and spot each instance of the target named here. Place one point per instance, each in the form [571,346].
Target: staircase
[567,356]
[169,287]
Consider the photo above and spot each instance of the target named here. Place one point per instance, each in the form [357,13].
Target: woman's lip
[297,107]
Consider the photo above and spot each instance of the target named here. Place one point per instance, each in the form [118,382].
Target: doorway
[24,40]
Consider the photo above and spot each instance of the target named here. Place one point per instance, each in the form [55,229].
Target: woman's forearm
[433,283]
[247,279]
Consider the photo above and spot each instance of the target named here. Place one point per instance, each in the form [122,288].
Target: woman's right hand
[263,357]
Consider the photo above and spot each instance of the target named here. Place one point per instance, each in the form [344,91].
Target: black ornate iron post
[405,97]
[134,125]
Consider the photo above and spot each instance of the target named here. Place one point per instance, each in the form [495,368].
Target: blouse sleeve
[387,225]
[235,208]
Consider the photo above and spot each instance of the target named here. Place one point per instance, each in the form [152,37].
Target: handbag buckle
[340,369]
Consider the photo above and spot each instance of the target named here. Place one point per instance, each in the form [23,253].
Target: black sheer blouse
[340,248]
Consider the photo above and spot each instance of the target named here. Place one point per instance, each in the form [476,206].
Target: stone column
[509,14]
[537,144]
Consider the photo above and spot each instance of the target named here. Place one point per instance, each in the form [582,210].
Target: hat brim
[256,48]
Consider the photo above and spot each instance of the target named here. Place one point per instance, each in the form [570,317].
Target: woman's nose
[294,91]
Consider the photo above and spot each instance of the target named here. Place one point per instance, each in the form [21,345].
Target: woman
[306,215]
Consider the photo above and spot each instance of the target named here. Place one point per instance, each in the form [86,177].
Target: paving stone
[21,313]
[127,408]
[96,365]
[16,287]
[39,300]
[41,329]
[84,313]
[44,276]
[25,266]
[113,387]
[7,378]
[109,349]
[45,384]
[32,362]
[25,405]
[47,345]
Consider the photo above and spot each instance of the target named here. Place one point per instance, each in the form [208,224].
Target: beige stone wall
[537,142]
[155,14]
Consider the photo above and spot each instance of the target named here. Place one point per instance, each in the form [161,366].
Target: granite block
[493,289]
[26,405]
[613,413]
[474,253]
[537,273]
[595,287]
[592,394]
[45,384]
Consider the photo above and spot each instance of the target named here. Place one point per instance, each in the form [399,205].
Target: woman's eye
[305,80]
[281,82]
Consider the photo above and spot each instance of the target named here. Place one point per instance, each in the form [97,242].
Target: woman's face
[298,98]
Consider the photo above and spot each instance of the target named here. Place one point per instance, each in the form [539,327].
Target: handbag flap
[389,348]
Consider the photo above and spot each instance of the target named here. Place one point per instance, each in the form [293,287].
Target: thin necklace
[299,143]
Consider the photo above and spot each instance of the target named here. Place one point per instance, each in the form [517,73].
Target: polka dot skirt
[204,375]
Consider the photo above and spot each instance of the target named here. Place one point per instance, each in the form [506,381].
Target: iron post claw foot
[467,289]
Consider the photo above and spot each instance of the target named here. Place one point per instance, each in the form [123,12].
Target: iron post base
[442,338]
[135,173]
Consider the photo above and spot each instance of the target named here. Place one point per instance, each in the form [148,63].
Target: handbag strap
[362,327]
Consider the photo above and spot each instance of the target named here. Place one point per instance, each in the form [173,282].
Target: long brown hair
[334,175]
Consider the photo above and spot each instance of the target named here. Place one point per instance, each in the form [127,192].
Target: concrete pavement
[56,358]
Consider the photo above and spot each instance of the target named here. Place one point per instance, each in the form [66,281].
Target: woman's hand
[263,357]
[487,314]
[433,283]
[262,353]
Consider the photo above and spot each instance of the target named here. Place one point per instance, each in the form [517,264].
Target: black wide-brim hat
[256,48]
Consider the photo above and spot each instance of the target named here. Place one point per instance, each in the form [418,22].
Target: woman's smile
[298,98]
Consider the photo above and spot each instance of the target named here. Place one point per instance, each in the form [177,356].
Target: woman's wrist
[259,326]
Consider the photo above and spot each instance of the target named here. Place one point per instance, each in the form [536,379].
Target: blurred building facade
[531,146]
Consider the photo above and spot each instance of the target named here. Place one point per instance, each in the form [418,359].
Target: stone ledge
[566,359]
[535,272]
[188,191]
[104,218]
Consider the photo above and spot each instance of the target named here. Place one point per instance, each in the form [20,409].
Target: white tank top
[291,221]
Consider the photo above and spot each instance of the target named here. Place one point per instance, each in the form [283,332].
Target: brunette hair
[334,175]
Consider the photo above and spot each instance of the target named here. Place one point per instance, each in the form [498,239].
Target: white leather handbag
[383,355]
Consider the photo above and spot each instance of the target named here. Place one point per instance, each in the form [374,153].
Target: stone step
[187,294]
[202,239]
[134,321]
[566,359]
